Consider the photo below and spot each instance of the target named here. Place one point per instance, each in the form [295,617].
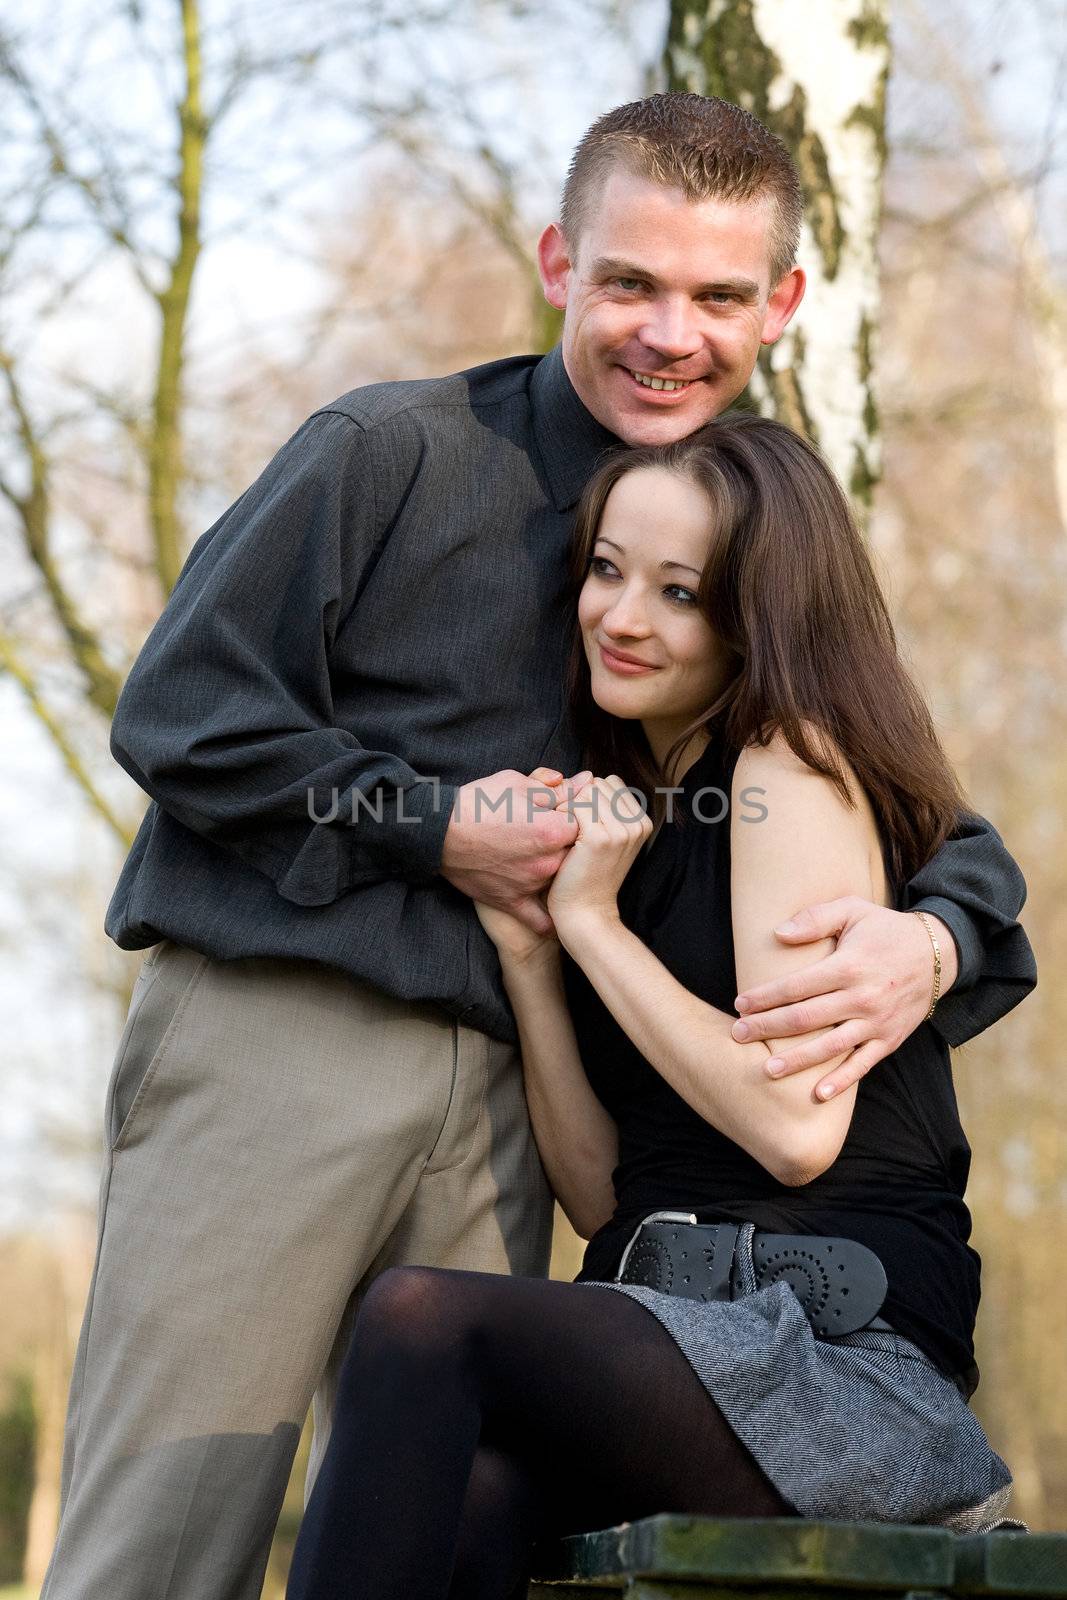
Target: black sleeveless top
[897,1185]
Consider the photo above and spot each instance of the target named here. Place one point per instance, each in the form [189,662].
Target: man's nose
[671,329]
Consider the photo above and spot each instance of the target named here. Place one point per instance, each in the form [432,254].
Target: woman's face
[652,653]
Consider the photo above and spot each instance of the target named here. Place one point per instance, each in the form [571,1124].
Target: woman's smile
[620,661]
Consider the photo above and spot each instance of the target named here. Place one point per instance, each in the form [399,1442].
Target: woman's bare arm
[577,1138]
[809,846]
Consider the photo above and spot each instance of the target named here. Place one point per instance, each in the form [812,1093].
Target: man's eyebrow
[680,566]
[615,267]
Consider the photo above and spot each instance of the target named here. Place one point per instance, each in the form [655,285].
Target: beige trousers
[277,1134]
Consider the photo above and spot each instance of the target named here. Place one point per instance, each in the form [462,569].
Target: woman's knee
[416,1311]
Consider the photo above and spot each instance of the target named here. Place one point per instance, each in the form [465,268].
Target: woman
[736,666]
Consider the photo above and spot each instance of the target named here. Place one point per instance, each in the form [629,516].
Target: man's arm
[876,987]
[226,718]
[975,887]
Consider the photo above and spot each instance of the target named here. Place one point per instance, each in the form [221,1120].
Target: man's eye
[628,284]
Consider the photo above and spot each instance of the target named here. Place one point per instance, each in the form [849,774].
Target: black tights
[478,1412]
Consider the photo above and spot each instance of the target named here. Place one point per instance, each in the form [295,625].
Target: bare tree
[1009,197]
[109,215]
[969,529]
[144,143]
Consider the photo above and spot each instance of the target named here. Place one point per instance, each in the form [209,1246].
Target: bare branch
[164,446]
[33,510]
[12,663]
[1018,217]
[93,188]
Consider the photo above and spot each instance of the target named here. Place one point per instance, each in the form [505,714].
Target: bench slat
[767,1551]
[1012,1564]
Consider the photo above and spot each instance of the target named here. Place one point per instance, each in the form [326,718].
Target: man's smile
[653,383]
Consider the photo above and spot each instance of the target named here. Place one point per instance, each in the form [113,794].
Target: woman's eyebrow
[679,565]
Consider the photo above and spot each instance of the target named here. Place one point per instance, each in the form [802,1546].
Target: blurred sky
[537,83]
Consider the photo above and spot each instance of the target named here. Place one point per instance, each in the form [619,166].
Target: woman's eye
[601,566]
[683,596]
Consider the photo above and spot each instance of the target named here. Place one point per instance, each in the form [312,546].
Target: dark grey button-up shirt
[379,619]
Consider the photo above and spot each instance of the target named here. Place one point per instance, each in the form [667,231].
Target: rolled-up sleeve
[227,717]
[976,888]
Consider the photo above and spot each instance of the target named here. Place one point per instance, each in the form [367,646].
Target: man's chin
[666,428]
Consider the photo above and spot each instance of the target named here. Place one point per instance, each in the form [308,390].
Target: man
[318,1076]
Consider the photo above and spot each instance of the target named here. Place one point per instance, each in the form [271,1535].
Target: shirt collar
[569,437]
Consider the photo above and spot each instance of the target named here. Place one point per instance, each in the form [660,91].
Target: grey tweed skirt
[862,1428]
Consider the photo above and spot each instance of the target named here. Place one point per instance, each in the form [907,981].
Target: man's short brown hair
[709,148]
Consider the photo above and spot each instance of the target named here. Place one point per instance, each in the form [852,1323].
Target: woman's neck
[661,739]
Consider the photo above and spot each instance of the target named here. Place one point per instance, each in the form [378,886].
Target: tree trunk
[818,81]
[165,466]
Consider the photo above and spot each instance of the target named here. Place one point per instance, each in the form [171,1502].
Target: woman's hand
[516,940]
[612,827]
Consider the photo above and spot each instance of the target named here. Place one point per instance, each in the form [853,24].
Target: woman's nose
[627,616]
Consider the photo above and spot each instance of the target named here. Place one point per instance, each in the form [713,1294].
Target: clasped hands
[540,854]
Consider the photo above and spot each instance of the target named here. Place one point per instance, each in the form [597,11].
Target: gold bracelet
[925,920]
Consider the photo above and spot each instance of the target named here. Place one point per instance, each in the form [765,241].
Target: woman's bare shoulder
[805,810]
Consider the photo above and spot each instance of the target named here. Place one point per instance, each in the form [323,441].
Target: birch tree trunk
[816,76]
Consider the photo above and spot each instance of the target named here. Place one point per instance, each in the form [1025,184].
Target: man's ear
[782,303]
[554,265]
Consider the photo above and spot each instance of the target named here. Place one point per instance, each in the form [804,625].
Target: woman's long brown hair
[791,594]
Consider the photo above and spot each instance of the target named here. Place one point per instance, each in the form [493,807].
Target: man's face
[665,288]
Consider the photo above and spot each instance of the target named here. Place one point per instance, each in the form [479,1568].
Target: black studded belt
[840,1284]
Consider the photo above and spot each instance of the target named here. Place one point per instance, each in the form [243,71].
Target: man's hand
[506,841]
[870,994]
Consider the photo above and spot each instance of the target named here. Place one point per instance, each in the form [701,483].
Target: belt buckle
[653,1216]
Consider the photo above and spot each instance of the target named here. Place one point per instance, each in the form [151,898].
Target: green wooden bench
[708,1558]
